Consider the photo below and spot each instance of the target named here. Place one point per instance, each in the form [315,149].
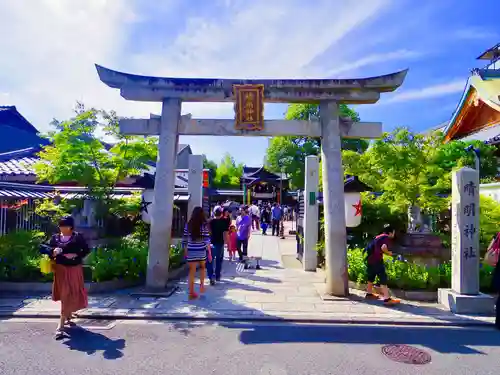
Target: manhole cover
[406,354]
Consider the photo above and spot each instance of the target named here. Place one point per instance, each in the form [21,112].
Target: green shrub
[20,256]
[411,276]
[126,259]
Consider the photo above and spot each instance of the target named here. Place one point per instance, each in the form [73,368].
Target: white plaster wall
[491,190]
[148,195]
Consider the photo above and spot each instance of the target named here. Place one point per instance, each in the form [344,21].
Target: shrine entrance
[249,97]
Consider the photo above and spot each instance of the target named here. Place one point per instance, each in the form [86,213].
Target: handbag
[493,253]
[46,265]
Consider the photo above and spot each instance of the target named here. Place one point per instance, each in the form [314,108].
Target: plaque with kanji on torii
[249,107]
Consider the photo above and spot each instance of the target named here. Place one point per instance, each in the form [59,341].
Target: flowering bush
[411,276]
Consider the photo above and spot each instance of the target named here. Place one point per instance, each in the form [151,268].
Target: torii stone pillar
[333,200]
[162,210]
[327,92]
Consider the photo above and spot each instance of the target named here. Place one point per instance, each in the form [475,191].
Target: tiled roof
[18,163]
[16,132]
[11,117]
[10,190]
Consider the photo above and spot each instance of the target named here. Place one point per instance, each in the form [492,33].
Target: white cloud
[428,92]
[375,58]
[474,33]
[47,60]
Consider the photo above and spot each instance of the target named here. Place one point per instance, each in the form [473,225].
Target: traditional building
[16,133]
[477,116]
[262,185]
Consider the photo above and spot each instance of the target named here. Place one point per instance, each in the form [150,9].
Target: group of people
[266,215]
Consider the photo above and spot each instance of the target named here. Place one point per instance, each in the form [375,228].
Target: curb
[256,318]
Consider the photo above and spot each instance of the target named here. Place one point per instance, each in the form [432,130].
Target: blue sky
[47,61]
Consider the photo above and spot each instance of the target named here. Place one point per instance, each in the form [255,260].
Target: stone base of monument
[466,304]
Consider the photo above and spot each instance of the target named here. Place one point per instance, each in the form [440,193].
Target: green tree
[228,173]
[413,169]
[288,153]
[210,164]
[76,154]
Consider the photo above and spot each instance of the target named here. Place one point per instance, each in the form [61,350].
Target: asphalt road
[182,348]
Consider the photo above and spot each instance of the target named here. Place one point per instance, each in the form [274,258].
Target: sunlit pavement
[132,347]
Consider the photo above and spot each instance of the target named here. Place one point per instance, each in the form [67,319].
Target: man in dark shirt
[375,264]
[219,226]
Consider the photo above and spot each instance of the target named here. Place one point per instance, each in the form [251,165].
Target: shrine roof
[149,88]
[256,174]
[481,94]
[490,53]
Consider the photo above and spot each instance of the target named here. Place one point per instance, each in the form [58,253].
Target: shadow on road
[442,340]
[91,342]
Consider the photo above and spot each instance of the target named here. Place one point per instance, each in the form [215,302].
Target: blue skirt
[196,252]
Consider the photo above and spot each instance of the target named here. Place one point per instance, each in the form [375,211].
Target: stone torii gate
[171,92]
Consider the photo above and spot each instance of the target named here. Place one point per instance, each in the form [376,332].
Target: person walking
[276,218]
[69,248]
[197,249]
[255,216]
[265,219]
[243,229]
[218,206]
[492,258]
[232,246]
[375,264]
[219,228]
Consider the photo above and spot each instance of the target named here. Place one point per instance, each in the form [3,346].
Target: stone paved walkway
[273,293]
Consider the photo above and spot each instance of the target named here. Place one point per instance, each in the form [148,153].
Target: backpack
[370,248]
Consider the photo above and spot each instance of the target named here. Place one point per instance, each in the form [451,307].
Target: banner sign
[249,107]
[14,206]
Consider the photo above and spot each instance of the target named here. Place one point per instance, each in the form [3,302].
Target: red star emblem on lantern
[357,206]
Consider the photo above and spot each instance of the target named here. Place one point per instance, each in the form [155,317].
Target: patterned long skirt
[69,288]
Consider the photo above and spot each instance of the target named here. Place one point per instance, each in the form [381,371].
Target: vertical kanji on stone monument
[465,217]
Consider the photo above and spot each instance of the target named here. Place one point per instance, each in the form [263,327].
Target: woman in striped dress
[196,242]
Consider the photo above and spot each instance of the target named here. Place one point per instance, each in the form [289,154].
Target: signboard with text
[249,107]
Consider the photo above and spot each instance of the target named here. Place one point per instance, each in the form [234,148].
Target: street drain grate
[95,323]
[406,354]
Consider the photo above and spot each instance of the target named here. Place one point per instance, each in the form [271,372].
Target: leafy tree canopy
[76,154]
[228,173]
[288,153]
[413,169]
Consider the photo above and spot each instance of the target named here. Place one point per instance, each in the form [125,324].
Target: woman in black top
[68,250]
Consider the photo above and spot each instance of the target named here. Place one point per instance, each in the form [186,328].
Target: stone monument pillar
[333,201]
[195,183]
[464,296]
[310,258]
[163,205]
